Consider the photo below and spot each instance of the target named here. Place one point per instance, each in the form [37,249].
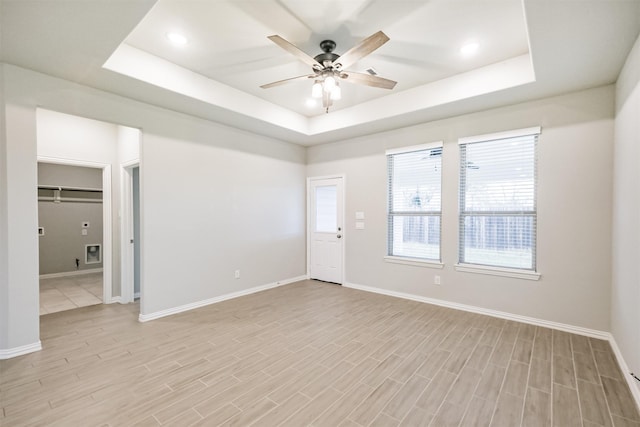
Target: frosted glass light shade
[329,83]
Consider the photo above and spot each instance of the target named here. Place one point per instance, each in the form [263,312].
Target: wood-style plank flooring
[311,353]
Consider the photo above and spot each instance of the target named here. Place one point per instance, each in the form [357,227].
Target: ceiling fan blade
[292,49]
[281,82]
[367,79]
[364,48]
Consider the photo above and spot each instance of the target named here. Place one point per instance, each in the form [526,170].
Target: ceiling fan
[329,68]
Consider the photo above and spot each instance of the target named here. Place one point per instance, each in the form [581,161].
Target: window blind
[498,200]
[414,189]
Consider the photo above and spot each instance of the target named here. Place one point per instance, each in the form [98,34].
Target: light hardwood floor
[311,353]
[69,292]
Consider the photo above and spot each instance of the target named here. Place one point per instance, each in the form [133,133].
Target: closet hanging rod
[67,200]
[66,188]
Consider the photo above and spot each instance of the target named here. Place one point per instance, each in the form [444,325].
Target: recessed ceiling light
[310,102]
[177,39]
[469,48]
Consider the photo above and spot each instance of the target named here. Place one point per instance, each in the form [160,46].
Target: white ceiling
[528,49]
[228,41]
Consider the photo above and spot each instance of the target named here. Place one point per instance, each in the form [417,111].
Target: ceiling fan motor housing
[327,47]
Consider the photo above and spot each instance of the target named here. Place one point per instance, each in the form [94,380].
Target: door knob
[339,236]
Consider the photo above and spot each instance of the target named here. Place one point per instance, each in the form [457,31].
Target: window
[498,199]
[414,201]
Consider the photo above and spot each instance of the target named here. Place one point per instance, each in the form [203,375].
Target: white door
[326,232]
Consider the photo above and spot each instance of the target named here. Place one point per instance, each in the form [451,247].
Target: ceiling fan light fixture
[328,67]
[329,83]
[316,90]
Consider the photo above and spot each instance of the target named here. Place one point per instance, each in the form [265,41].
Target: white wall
[208,211]
[128,144]
[574,210]
[214,199]
[21,307]
[625,315]
[71,137]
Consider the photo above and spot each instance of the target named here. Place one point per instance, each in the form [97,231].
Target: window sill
[497,271]
[414,262]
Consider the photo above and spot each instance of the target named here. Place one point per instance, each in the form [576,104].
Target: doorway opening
[130,238]
[70,140]
[74,223]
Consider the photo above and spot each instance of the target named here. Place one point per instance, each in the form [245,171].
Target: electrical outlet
[237,274]
[436,280]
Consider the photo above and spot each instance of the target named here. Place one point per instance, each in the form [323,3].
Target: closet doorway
[131,239]
[74,228]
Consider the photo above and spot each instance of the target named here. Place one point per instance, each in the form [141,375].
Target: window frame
[402,259]
[463,265]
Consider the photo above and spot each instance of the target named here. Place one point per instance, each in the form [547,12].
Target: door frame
[343,177]
[126,233]
[107,243]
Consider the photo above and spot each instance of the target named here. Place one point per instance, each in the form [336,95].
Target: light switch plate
[359,215]
[84,232]
[359,225]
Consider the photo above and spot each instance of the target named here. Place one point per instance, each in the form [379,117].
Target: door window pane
[326,209]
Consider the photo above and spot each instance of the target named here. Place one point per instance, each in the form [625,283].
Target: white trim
[198,304]
[71,273]
[414,262]
[72,162]
[126,231]
[626,372]
[107,220]
[497,271]
[318,178]
[19,351]
[493,313]
[136,295]
[344,216]
[412,148]
[500,135]
[130,163]
[107,236]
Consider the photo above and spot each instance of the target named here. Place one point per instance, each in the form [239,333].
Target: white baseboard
[494,313]
[114,300]
[136,295]
[626,372]
[198,304]
[19,351]
[71,273]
